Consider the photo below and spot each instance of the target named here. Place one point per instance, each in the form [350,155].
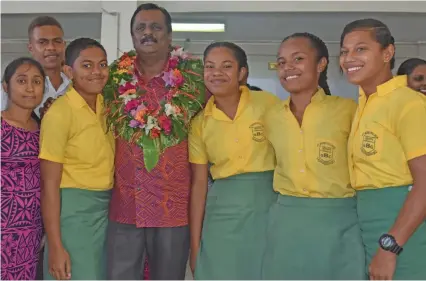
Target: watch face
[387,242]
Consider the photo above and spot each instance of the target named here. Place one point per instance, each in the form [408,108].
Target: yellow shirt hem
[90,188]
[197,161]
[369,187]
[417,153]
[49,157]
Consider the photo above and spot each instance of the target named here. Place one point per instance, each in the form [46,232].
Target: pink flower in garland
[127,87]
[165,124]
[131,105]
[173,62]
[173,78]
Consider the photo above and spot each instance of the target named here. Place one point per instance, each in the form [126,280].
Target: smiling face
[298,66]
[417,79]
[26,87]
[47,46]
[89,72]
[362,58]
[150,33]
[222,75]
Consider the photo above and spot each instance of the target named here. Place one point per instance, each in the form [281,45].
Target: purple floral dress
[21,224]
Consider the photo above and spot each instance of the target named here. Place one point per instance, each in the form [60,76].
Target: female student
[415,69]
[313,231]
[228,221]
[387,154]
[77,156]
[21,224]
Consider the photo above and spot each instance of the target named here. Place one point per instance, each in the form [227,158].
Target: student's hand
[382,266]
[45,107]
[59,263]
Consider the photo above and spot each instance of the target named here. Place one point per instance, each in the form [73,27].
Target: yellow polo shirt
[233,146]
[389,129]
[72,134]
[312,158]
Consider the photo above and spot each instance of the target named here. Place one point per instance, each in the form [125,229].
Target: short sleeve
[197,147]
[411,129]
[54,133]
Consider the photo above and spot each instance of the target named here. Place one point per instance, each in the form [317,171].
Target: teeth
[291,77]
[354,68]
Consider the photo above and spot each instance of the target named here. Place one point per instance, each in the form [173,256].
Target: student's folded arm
[199,183]
[54,135]
[412,134]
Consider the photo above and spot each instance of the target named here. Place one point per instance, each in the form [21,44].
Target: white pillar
[115,30]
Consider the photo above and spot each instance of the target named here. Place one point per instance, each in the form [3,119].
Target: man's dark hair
[75,47]
[42,21]
[150,7]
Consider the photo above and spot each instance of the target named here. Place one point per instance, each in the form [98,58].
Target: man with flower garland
[152,94]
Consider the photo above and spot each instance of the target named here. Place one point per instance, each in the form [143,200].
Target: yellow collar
[76,100]
[319,96]
[389,86]
[211,109]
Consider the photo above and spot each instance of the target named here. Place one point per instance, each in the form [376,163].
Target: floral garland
[154,128]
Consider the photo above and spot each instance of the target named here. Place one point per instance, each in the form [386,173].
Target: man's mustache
[148,38]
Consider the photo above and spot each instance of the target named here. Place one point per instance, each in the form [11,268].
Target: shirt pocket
[327,152]
[371,142]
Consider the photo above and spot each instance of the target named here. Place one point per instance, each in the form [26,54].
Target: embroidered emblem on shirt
[368,146]
[257,131]
[326,153]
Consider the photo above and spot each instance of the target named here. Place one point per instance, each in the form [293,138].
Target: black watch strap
[396,249]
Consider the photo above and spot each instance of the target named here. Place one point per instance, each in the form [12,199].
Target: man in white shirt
[46,45]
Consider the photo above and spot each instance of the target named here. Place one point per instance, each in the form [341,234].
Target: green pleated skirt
[314,239]
[234,229]
[377,211]
[84,220]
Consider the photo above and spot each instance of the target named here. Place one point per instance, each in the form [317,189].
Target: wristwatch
[388,243]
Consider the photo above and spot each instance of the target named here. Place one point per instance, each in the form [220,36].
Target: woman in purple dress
[21,224]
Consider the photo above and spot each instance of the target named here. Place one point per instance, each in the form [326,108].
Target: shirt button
[302,171]
[240,157]
[138,189]
[305,190]
[301,131]
[236,140]
[300,150]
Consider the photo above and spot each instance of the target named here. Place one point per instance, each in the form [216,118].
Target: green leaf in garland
[151,154]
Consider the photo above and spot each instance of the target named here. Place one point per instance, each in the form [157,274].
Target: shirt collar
[211,109]
[318,97]
[77,100]
[140,76]
[389,86]
[65,82]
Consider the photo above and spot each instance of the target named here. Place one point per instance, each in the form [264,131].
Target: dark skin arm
[59,260]
[196,208]
[411,216]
